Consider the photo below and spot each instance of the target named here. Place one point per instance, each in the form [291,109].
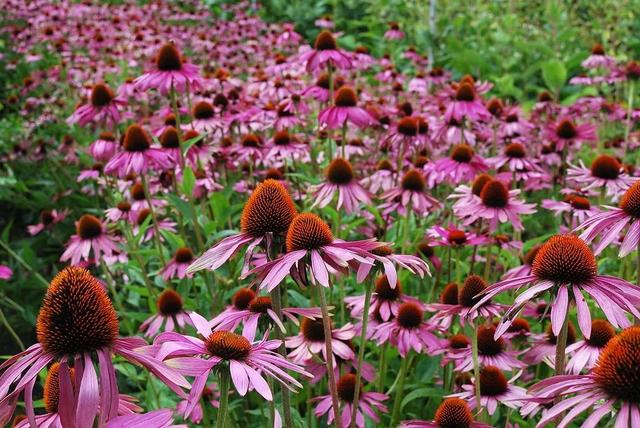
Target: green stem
[11,331]
[382,366]
[326,323]
[476,364]
[395,414]
[561,346]
[363,339]
[629,113]
[133,250]
[156,228]
[24,264]
[116,297]
[224,397]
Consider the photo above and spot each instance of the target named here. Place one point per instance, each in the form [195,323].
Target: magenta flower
[170,313]
[162,418]
[310,342]
[598,59]
[104,107]
[494,390]
[122,211]
[394,33]
[491,352]
[527,263]
[248,361]
[566,267]
[565,132]
[346,392]
[543,346]
[609,224]
[177,266]
[47,220]
[410,194]
[453,412]
[210,395]
[104,147]
[385,256]
[576,207]
[138,155]
[170,72]
[454,237]
[585,353]
[606,172]
[496,204]
[341,179]
[462,165]
[408,331]
[312,247]
[5,272]
[90,235]
[256,309]
[269,211]
[466,104]
[78,322]
[515,159]
[284,146]
[610,389]
[325,53]
[345,109]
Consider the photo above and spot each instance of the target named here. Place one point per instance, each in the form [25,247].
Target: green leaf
[554,74]
[188,181]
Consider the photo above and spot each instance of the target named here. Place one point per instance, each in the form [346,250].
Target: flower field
[227,214]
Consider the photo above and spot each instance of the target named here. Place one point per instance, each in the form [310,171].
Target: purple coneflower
[462,165]
[410,194]
[91,234]
[606,172]
[269,211]
[609,224]
[394,33]
[178,264]
[47,220]
[585,353]
[577,207]
[345,109]
[325,52]
[527,262]
[564,132]
[104,147]
[210,395]
[170,313]
[284,147]
[491,352]
[162,418]
[466,104]
[137,155]
[543,346]
[104,106]
[171,72]
[340,178]
[598,59]
[494,389]
[514,158]
[567,267]
[76,322]
[454,237]
[312,250]
[310,342]
[385,300]
[408,331]
[346,392]
[453,412]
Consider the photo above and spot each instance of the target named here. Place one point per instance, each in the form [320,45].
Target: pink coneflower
[170,143]
[210,395]
[382,179]
[598,59]
[162,418]
[177,266]
[204,118]
[609,224]
[5,272]
[565,132]
[408,331]
[463,303]
[577,207]
[394,33]
[566,267]
[91,234]
[454,237]
[527,263]
[606,172]
[410,194]
[514,125]
[259,307]
[491,352]
[324,22]
[310,342]
[76,322]
[312,250]
[104,147]
[269,211]
[320,90]
[462,165]
[325,53]
[103,107]
[137,155]
[248,361]
[47,220]
[341,179]
[494,390]
[496,204]
[612,384]
[122,211]
[585,353]
[453,412]
[249,150]
[170,313]
[171,71]
[150,232]
[466,104]
[284,146]
[515,159]
[388,259]
[368,401]
[385,300]
[345,109]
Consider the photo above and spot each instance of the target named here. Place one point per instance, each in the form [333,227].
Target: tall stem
[476,363]
[11,331]
[24,264]
[404,366]
[156,229]
[326,323]
[629,113]
[363,339]
[382,367]
[224,397]
[561,346]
